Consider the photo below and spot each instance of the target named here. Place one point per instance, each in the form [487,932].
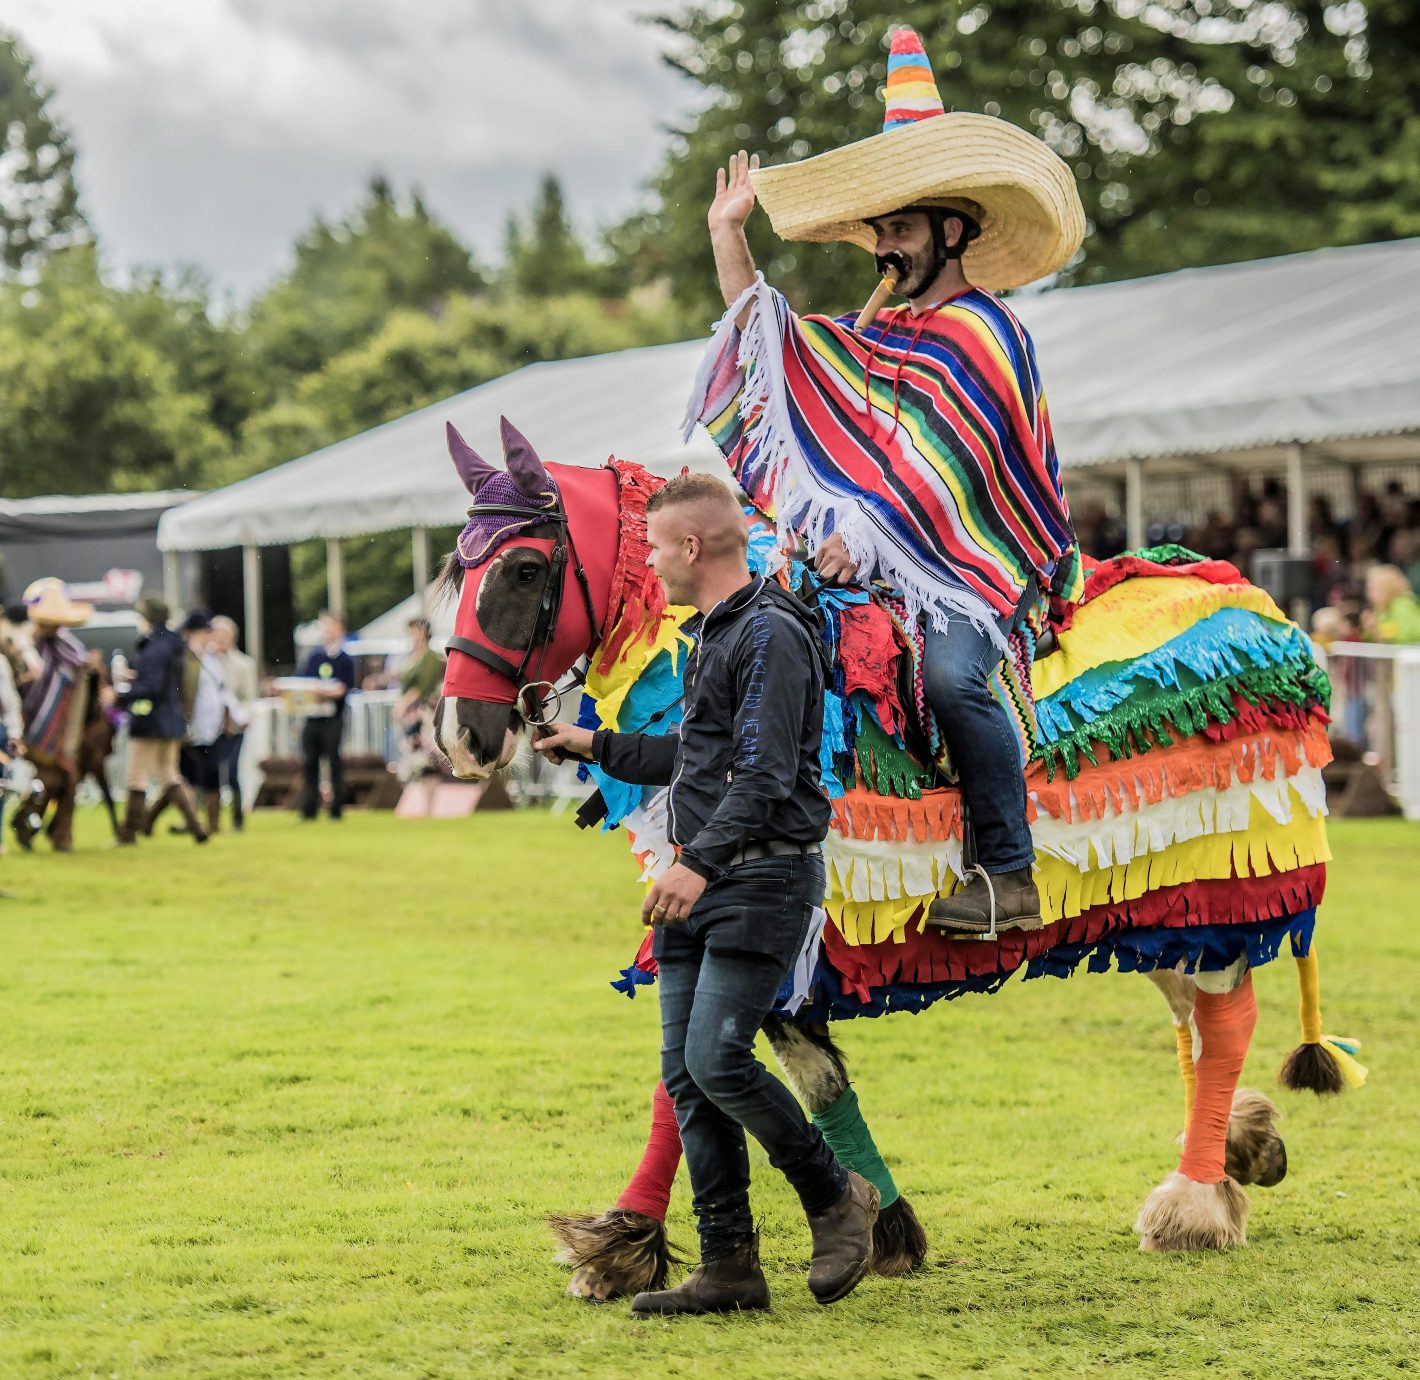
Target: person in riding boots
[157,724]
[748,815]
[914,445]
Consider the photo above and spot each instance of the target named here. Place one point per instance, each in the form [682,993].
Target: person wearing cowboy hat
[913,444]
[55,703]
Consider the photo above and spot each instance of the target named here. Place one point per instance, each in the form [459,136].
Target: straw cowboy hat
[46,602]
[1020,192]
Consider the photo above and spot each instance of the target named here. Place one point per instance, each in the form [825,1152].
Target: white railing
[1376,702]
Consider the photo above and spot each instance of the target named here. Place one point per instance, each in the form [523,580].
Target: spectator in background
[333,667]
[156,724]
[12,723]
[421,678]
[1393,611]
[242,682]
[211,710]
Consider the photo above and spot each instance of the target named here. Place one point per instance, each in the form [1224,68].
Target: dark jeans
[320,741]
[982,740]
[720,971]
[230,746]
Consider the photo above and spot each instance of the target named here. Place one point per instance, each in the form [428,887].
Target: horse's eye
[527,574]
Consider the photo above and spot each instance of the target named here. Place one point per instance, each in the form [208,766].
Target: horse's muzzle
[476,737]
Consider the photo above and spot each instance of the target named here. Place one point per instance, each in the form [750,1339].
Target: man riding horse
[915,444]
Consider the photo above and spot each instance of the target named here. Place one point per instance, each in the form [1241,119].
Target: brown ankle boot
[732,1284]
[843,1241]
[157,808]
[1016,905]
[133,816]
[182,798]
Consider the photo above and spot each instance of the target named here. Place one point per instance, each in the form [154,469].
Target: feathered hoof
[1256,1154]
[1182,1215]
[614,1255]
[899,1243]
[1312,1068]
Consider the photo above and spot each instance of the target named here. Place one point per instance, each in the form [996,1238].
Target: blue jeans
[720,972]
[985,750]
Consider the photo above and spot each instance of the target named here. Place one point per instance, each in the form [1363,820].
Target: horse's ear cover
[523,463]
[472,467]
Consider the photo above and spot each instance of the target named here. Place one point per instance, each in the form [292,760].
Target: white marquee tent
[1280,364]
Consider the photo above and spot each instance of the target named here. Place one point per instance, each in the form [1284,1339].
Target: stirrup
[990,934]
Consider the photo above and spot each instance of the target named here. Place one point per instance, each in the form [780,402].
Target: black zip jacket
[745,766]
[154,700]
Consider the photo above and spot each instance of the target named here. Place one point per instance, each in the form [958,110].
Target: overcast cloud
[211,131]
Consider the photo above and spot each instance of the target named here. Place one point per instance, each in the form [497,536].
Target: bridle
[529,703]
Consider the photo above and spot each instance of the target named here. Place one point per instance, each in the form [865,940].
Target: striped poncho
[924,443]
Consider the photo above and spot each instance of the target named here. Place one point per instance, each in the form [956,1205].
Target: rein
[564,550]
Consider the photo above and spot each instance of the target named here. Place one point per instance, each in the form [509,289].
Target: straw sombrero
[1020,192]
[46,602]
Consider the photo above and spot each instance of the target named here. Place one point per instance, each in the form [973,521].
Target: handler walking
[749,817]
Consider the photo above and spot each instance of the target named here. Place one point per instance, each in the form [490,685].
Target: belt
[775,848]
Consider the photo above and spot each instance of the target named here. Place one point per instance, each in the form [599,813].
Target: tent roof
[1230,362]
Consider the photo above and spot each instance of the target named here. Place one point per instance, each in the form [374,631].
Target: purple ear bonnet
[483,532]
[524,484]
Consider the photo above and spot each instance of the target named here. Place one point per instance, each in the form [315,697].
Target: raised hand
[734,193]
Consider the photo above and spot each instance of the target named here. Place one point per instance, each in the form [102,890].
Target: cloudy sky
[211,131]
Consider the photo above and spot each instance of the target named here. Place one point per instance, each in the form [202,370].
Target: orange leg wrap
[1225,1022]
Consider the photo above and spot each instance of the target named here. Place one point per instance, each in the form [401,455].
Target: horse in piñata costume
[1172,742]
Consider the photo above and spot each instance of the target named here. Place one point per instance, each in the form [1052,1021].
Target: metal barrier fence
[1376,703]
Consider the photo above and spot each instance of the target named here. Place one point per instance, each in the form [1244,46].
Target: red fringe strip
[928,957]
[635,591]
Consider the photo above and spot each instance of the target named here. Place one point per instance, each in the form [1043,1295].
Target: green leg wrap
[848,1137]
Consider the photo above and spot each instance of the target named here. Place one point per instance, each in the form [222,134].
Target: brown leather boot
[843,1241]
[1016,905]
[133,815]
[732,1284]
[157,808]
[182,798]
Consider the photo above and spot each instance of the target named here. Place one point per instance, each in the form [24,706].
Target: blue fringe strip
[1202,948]
[631,979]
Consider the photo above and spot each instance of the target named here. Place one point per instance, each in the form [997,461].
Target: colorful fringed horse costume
[1173,744]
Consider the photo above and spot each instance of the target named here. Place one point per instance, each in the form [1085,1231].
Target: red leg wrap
[649,1191]
[1224,1023]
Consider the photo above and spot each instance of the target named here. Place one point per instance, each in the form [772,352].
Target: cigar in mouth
[877,301]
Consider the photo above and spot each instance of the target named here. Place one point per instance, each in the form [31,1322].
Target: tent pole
[335,576]
[420,537]
[171,592]
[1134,503]
[251,603]
[1298,538]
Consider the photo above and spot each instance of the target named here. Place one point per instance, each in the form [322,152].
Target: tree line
[1199,131]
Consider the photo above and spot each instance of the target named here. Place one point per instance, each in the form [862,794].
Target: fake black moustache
[896,262]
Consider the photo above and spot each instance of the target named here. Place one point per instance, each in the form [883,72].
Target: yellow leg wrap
[1309,981]
[1184,1036]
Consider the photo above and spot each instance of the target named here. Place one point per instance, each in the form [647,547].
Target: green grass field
[296,1105]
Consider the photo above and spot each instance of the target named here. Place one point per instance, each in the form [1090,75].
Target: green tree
[348,277]
[88,404]
[39,202]
[544,257]
[1198,130]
